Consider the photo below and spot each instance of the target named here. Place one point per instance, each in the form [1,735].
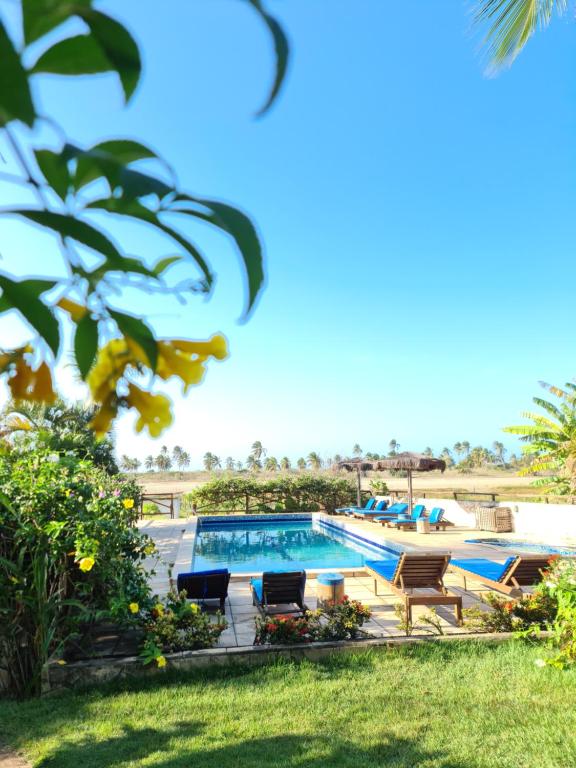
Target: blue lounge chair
[369,513]
[205,585]
[394,511]
[402,575]
[279,588]
[436,519]
[402,521]
[509,577]
[348,510]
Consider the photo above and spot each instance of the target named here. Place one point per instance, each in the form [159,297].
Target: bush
[305,493]
[529,612]
[150,508]
[69,555]
[560,586]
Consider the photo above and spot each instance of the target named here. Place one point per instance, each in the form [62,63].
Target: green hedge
[304,493]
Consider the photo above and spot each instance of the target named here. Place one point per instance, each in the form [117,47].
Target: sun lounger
[509,577]
[279,588]
[400,521]
[205,585]
[363,514]
[394,511]
[404,574]
[349,510]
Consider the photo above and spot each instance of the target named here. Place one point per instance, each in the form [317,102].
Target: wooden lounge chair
[401,521]
[205,585]
[365,514]
[350,510]
[408,572]
[391,513]
[279,588]
[509,577]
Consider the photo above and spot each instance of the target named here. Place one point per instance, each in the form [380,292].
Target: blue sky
[418,219]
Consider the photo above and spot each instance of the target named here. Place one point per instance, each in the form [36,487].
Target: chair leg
[223,605]
[458,608]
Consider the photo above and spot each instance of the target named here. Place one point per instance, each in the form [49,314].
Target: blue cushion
[436,515]
[330,578]
[370,503]
[215,572]
[481,566]
[257,586]
[384,568]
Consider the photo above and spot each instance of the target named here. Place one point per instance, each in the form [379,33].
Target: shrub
[529,612]
[284,630]
[150,508]
[379,487]
[69,555]
[342,621]
[306,493]
[174,624]
[560,586]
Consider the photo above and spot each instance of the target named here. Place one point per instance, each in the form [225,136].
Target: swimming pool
[511,545]
[259,543]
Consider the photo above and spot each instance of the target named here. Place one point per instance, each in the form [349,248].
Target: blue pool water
[525,546]
[251,545]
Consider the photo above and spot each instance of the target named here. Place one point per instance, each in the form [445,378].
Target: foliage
[511,23]
[429,622]
[175,624]
[550,441]
[512,615]
[341,621]
[379,487]
[69,554]
[304,493]
[560,586]
[110,179]
[59,427]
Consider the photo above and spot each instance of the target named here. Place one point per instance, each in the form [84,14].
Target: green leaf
[125,151]
[42,16]
[15,97]
[24,296]
[137,330]
[54,170]
[163,264]
[86,344]
[79,55]
[118,45]
[241,229]
[281,51]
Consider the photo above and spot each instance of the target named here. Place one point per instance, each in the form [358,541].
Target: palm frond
[512,23]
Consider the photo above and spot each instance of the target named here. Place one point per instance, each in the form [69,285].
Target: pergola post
[410,491]
[358,487]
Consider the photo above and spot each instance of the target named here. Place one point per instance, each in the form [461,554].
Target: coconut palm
[428,452]
[230,464]
[163,460]
[285,463]
[357,451]
[550,441]
[337,458]
[128,464]
[239,466]
[253,464]
[211,461]
[150,462]
[393,445]
[466,448]
[458,449]
[271,464]
[314,460]
[257,451]
[499,451]
[301,463]
[511,23]
[446,455]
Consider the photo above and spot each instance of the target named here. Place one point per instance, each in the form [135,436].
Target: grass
[457,705]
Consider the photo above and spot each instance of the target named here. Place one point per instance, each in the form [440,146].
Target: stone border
[94,672]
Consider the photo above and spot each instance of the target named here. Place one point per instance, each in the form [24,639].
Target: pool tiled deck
[173,539]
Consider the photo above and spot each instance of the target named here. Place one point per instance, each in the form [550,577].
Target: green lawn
[461,705]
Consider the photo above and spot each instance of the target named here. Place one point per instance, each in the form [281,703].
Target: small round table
[422,525]
[329,589]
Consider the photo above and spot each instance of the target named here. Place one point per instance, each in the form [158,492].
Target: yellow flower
[134,607]
[108,369]
[159,608]
[215,347]
[86,564]
[106,414]
[185,359]
[194,607]
[34,386]
[161,661]
[61,662]
[149,549]
[128,503]
[154,410]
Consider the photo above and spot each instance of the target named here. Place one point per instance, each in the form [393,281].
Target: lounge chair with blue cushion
[205,585]
[364,514]
[423,571]
[279,588]
[349,510]
[508,577]
[402,519]
[396,510]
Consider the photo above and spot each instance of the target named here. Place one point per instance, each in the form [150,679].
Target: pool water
[254,545]
[525,546]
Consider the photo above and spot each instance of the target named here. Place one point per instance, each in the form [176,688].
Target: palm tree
[550,441]
[499,451]
[314,460]
[337,458]
[257,450]
[253,463]
[150,462]
[285,464]
[393,445]
[466,448]
[211,461]
[163,460]
[446,455]
[511,23]
[301,463]
[428,452]
[128,464]
[458,449]
[230,464]
[357,451]
[239,466]
[271,464]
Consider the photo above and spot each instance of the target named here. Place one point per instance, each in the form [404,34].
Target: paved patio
[174,537]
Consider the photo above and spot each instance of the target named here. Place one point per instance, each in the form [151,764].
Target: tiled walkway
[240,613]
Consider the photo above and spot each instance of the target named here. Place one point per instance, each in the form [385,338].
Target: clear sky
[418,219]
